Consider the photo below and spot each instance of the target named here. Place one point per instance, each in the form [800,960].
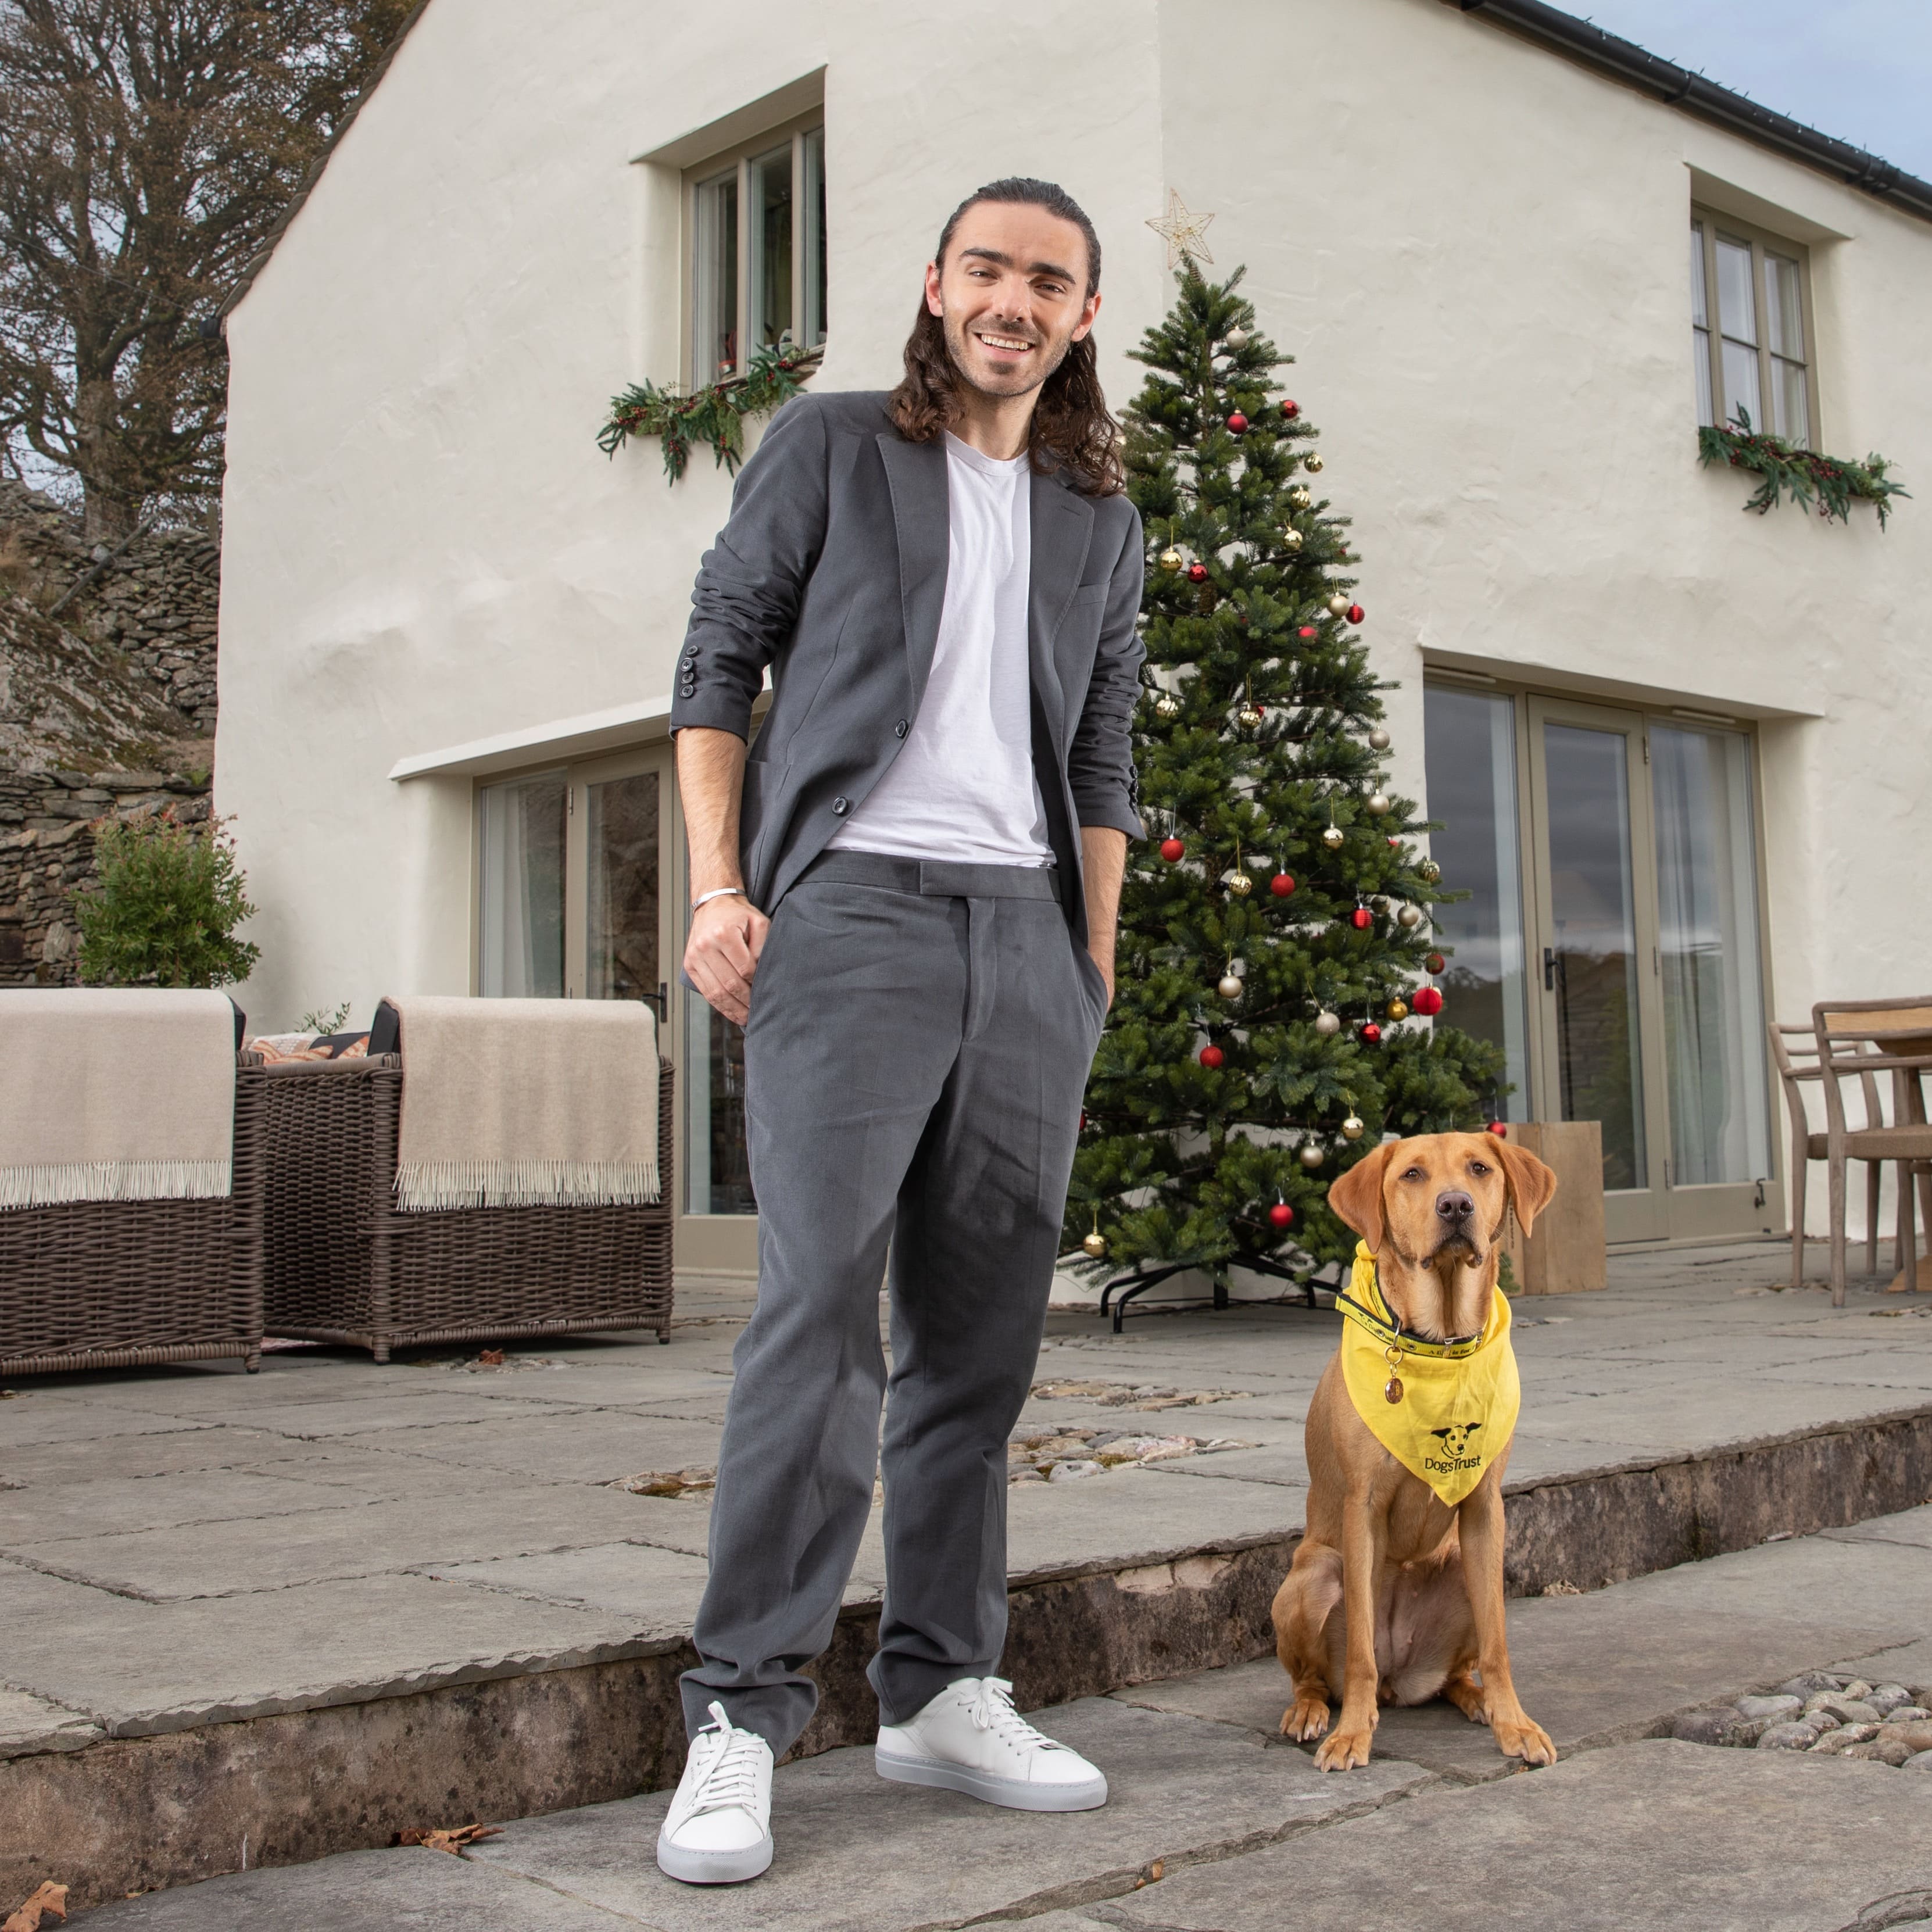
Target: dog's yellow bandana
[1444,1410]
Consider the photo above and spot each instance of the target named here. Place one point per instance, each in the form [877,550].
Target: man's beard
[956,350]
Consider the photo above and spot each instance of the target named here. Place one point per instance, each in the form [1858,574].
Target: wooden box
[1566,1254]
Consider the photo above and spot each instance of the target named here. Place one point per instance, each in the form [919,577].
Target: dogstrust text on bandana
[1460,1400]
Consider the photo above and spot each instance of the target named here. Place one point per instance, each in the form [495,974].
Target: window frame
[739,158]
[1761,241]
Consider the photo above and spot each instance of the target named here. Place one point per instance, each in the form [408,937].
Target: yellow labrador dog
[1395,1595]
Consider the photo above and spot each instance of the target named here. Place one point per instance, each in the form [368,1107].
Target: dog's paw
[1522,1737]
[1470,1699]
[1345,1751]
[1306,1718]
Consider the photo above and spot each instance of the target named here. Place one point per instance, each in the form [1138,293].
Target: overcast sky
[1860,70]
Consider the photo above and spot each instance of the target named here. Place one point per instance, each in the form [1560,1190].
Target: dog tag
[1392,1388]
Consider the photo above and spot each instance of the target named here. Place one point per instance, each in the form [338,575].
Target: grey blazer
[831,571]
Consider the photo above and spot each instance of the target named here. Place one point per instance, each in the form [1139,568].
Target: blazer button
[901,729]
[841,806]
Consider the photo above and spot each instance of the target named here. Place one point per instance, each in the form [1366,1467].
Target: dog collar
[1368,1309]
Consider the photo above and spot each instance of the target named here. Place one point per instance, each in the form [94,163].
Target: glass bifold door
[1611,943]
[580,895]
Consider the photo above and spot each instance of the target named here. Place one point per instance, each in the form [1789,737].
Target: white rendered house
[1680,749]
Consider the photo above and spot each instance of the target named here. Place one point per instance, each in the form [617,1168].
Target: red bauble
[1426,1000]
[1171,850]
[1371,1034]
[1500,1128]
[1393,841]
[1083,1119]
[1361,919]
[1281,885]
[1435,962]
[1237,424]
[1356,614]
[1197,573]
[1307,631]
[1281,1215]
[1211,1055]
[1290,409]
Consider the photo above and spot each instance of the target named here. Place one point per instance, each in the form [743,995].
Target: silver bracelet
[718,893]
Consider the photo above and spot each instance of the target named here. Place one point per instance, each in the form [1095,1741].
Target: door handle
[1550,969]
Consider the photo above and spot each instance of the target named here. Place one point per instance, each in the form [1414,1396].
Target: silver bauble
[1379,802]
[1333,837]
[1237,337]
[1378,740]
[1311,1156]
[1409,915]
[1229,987]
[1326,1024]
[1338,605]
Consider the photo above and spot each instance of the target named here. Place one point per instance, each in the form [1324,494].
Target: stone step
[352,1765]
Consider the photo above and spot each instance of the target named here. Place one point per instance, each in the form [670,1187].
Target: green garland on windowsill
[1803,475]
[715,415]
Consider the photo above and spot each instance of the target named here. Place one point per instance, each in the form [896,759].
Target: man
[906,893]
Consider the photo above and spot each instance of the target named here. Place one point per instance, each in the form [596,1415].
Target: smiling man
[906,893]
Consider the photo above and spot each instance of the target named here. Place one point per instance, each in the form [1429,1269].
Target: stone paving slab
[30,1723]
[1639,1836]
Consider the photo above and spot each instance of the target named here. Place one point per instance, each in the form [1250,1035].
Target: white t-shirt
[962,787]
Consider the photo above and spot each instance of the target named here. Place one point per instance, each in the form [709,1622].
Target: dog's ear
[1357,1196]
[1530,1183]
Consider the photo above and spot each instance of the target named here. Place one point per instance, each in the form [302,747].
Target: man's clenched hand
[721,958]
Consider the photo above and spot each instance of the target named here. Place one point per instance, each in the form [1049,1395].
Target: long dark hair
[1071,427]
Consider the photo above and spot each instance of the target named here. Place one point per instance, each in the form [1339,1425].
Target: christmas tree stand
[1136,1285]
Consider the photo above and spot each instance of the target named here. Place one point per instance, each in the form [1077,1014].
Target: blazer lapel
[1062,527]
[916,474]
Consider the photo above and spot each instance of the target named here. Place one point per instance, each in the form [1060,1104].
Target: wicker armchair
[129,1284]
[344,1265]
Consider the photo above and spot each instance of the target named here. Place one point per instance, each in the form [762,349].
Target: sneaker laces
[731,1777]
[992,1710]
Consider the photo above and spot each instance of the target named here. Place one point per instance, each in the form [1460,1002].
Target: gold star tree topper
[1182,232]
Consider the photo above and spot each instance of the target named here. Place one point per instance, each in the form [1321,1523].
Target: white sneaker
[970,1738]
[717,1831]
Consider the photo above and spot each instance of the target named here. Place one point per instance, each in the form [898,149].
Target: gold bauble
[1096,1245]
[1312,463]
[1167,706]
[1429,872]
[1338,605]
[1298,497]
[1333,837]
[1351,1129]
[1311,1156]
[1230,988]
[1291,538]
[1248,717]
[1170,558]
[1240,885]
[1396,1009]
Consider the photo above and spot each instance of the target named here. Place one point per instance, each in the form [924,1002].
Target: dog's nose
[1453,1204]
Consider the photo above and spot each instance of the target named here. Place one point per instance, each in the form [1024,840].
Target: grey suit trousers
[919,1041]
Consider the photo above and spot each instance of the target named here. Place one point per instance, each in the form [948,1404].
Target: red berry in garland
[1356,614]
[1361,919]
[1171,850]
[1281,885]
[1372,1034]
[1290,409]
[1426,1000]
[1435,962]
[1281,1215]
[1211,1055]
[1237,424]
[1197,573]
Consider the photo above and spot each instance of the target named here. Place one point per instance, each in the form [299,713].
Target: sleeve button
[840,806]
[901,729]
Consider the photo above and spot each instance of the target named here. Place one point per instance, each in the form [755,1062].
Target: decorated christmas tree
[1275,935]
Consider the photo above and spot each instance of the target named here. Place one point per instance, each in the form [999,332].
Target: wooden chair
[1795,1049]
[1857,1039]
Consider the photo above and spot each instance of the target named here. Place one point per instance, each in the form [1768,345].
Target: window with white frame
[1750,329]
[756,230]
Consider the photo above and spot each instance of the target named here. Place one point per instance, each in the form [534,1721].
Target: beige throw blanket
[115,1093]
[514,1103]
